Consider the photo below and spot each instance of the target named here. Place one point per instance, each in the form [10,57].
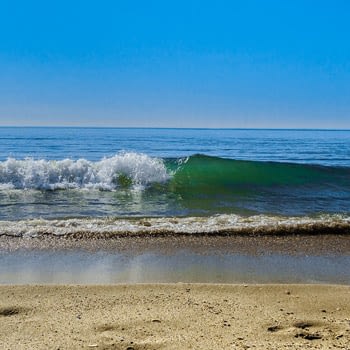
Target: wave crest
[123,169]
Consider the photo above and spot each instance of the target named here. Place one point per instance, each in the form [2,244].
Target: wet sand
[206,259]
[293,244]
[175,316]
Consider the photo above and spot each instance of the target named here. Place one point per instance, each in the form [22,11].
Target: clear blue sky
[175,63]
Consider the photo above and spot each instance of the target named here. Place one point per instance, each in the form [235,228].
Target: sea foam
[123,169]
[232,224]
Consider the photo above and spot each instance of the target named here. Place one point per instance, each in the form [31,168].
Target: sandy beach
[175,316]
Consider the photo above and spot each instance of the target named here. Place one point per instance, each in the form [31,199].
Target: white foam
[226,224]
[105,174]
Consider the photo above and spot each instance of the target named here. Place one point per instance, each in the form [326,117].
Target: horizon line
[167,128]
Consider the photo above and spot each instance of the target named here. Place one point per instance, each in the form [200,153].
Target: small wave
[122,170]
[213,225]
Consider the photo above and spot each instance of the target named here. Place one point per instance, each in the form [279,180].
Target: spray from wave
[121,170]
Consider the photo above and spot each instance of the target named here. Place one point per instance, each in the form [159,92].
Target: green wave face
[213,174]
[225,185]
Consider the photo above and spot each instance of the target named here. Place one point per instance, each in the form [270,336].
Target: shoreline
[175,316]
[216,225]
[202,259]
[314,244]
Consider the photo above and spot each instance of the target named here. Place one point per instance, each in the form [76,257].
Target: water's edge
[175,226]
[235,259]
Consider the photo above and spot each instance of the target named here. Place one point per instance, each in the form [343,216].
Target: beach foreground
[175,316]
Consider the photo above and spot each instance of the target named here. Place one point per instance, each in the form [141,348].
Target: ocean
[106,181]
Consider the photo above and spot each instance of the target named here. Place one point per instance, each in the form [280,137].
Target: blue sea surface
[325,147]
[127,172]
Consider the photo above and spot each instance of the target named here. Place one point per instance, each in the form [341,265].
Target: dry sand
[175,316]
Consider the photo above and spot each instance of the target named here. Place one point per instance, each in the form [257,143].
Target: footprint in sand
[304,330]
[11,311]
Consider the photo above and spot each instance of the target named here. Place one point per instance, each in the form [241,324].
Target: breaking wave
[121,170]
[197,173]
[193,186]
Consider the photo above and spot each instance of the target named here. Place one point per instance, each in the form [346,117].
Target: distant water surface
[325,147]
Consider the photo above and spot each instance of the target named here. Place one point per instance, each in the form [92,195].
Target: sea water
[68,180]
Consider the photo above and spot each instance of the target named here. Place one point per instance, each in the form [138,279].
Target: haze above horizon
[241,64]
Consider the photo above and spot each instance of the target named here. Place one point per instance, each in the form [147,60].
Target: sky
[222,64]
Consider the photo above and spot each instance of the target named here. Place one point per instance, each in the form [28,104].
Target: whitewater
[106,174]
